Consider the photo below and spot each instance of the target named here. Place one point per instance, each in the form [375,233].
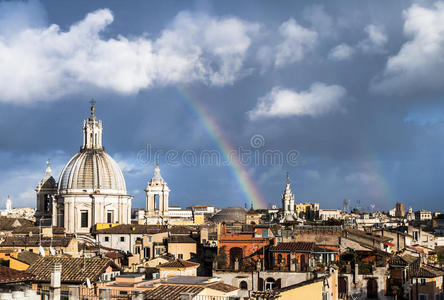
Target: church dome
[92,171]
[230,215]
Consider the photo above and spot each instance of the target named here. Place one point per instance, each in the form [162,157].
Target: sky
[229,96]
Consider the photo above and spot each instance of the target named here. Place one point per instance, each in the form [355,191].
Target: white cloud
[341,52]
[319,99]
[376,39]
[420,61]
[296,42]
[43,63]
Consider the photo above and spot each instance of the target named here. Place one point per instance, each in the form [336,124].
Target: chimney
[54,288]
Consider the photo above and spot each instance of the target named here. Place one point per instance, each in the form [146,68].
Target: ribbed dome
[92,171]
[229,215]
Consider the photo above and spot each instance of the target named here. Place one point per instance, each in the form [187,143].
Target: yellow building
[60,245]
[182,246]
[22,260]
[324,287]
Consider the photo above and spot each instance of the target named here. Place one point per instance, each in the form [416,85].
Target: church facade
[91,188]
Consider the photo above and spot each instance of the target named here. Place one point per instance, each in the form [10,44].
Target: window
[137,250]
[106,239]
[243,285]
[423,297]
[84,218]
[122,239]
[269,284]
[180,256]
[109,216]
[157,251]
[146,252]
[150,239]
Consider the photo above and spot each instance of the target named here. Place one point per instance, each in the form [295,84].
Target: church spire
[92,130]
[48,172]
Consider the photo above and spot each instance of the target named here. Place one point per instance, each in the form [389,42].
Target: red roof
[294,247]
[178,263]
[8,275]
[389,244]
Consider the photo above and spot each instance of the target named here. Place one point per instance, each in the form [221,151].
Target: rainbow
[240,174]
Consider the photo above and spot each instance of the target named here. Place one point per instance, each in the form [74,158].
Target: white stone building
[325,214]
[288,204]
[91,188]
[157,193]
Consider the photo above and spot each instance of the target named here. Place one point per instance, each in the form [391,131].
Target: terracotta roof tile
[182,239]
[294,247]
[223,287]
[170,292]
[34,241]
[36,230]
[74,270]
[27,257]
[8,275]
[426,272]
[178,263]
[132,229]
[9,224]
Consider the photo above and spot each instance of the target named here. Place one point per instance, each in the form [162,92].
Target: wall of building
[186,249]
[309,291]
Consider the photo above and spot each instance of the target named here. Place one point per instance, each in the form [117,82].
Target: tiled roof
[178,263]
[426,272]
[223,287]
[36,230]
[172,292]
[294,247]
[183,239]
[9,224]
[34,241]
[368,235]
[132,229]
[74,270]
[27,257]
[181,230]
[114,255]
[8,275]
[404,260]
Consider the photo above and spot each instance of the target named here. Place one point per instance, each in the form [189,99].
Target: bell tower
[288,199]
[92,131]
[46,201]
[157,193]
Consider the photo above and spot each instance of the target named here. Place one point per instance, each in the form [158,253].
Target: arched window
[270,283]
[243,285]
[156,201]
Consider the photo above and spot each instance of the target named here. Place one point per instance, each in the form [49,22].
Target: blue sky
[354,88]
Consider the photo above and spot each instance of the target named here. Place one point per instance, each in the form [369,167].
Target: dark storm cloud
[372,148]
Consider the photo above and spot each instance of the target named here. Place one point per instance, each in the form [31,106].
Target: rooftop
[178,263]
[8,275]
[74,270]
